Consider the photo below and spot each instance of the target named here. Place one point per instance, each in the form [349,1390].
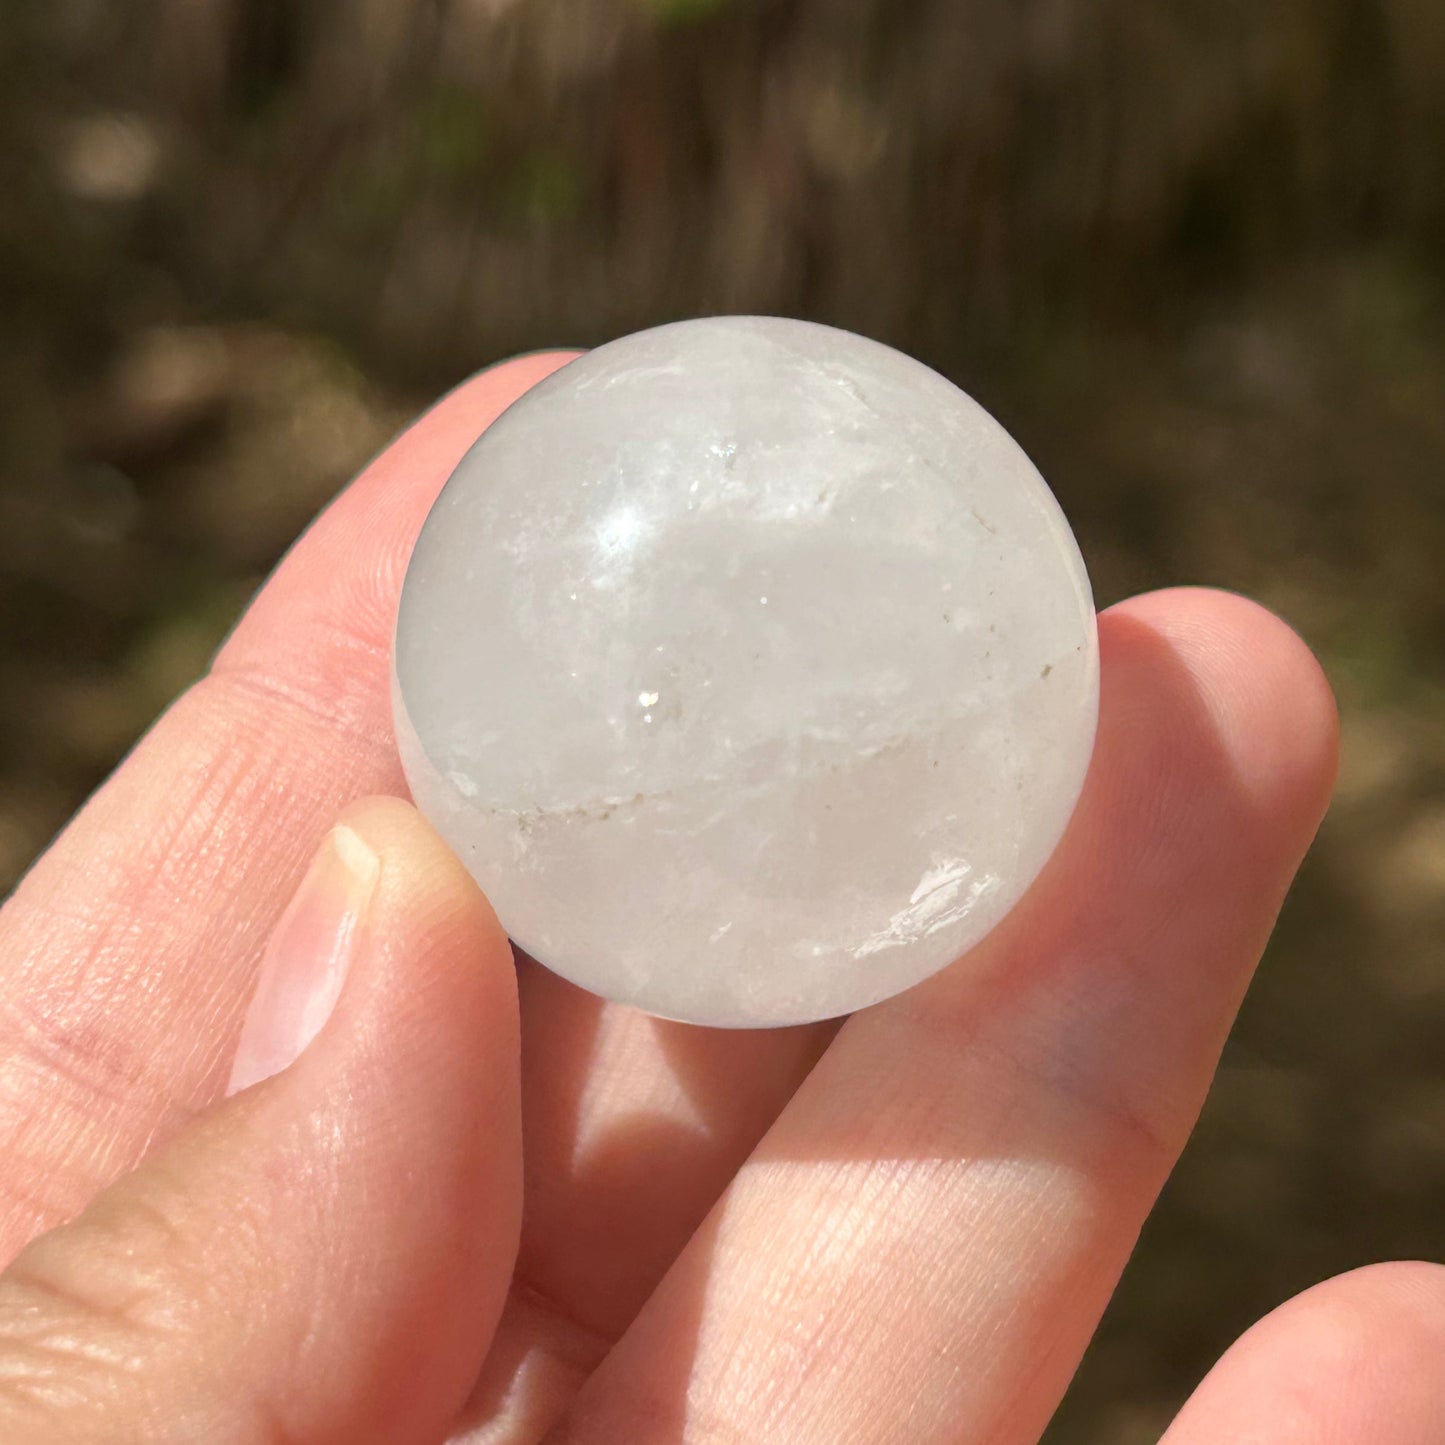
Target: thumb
[323,1257]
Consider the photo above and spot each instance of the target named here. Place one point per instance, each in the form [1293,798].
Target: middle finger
[922,1245]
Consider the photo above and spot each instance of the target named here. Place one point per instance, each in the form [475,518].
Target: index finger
[127,954]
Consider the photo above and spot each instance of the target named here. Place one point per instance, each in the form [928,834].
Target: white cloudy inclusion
[751,669]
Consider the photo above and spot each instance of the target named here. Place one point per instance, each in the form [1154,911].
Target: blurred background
[1189,251]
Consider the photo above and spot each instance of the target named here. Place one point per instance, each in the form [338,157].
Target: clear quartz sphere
[750,667]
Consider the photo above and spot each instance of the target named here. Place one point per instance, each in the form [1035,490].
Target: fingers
[1354,1361]
[324,1256]
[929,1233]
[634,1127]
[127,955]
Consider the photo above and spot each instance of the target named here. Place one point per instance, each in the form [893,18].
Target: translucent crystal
[751,669]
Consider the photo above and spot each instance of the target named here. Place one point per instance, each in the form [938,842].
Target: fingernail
[306,961]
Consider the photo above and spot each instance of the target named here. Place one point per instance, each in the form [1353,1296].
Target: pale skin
[901,1229]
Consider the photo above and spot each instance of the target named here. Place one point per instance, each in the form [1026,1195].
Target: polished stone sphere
[750,667]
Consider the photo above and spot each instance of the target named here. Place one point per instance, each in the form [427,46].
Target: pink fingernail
[306,961]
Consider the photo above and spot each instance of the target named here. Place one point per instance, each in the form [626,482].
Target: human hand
[901,1230]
